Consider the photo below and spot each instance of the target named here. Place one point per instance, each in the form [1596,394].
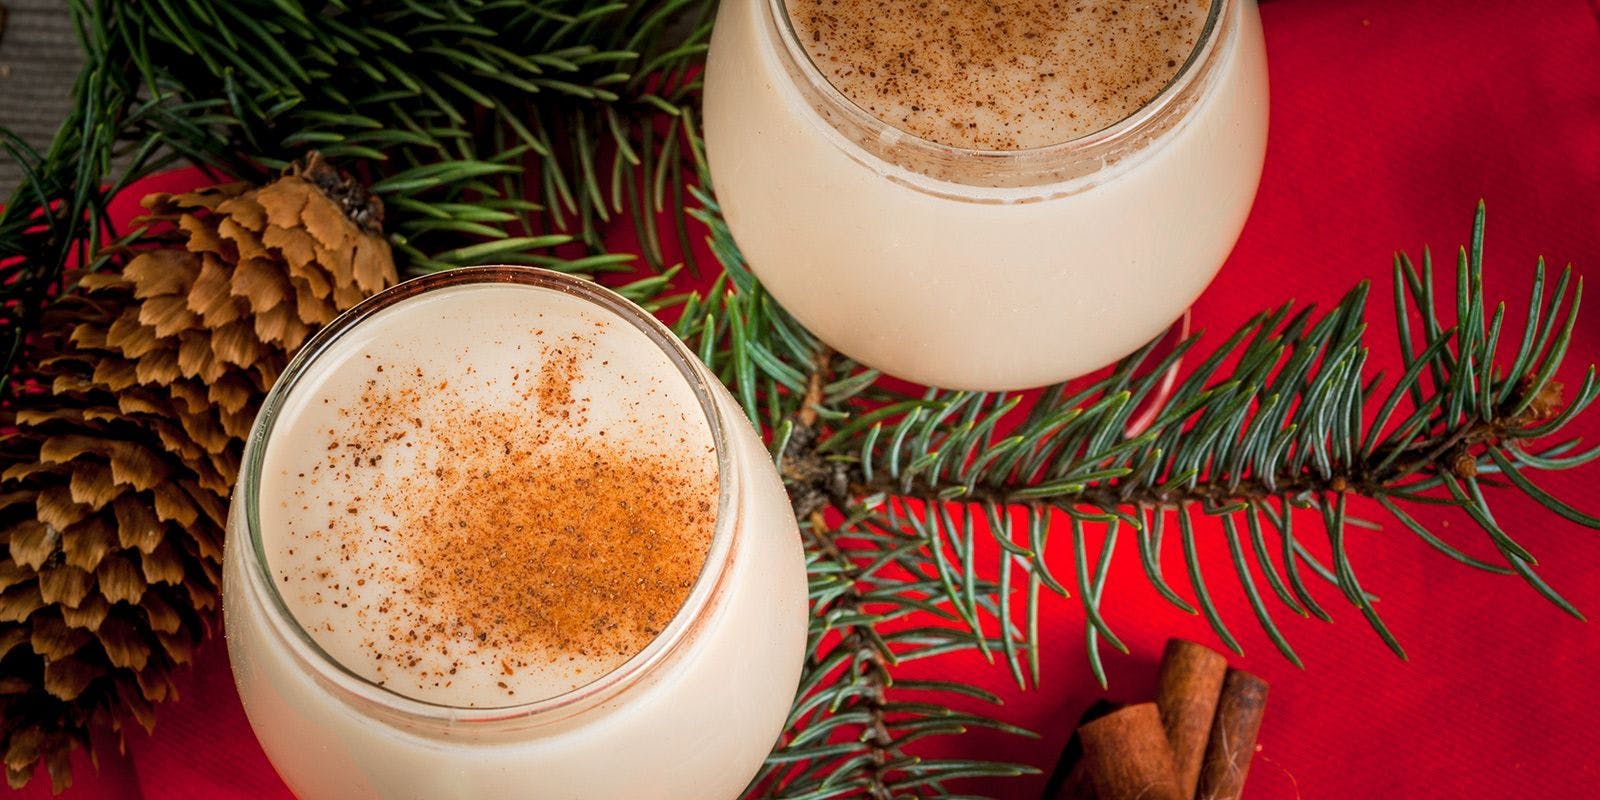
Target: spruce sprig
[1281,415]
[496,132]
[58,214]
[1272,431]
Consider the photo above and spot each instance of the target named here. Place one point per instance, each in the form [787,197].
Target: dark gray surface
[39,60]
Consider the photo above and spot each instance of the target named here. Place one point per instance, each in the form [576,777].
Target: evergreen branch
[1279,424]
[57,216]
[497,132]
[1280,416]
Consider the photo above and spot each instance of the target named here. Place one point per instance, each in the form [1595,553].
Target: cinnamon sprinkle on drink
[497,539]
[999,74]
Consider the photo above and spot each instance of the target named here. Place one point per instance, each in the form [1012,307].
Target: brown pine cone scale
[115,475]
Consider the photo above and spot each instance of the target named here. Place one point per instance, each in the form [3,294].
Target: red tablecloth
[1389,121]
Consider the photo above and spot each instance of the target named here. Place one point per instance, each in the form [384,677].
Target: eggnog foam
[488,495]
[999,74]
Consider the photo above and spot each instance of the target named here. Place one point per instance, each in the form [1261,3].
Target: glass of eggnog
[499,535]
[990,195]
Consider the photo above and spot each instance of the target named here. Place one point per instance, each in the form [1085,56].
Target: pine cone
[114,487]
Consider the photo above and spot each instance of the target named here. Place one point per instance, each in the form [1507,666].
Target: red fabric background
[1389,121]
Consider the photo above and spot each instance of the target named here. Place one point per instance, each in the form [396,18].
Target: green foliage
[1271,431]
[58,214]
[514,130]
[496,132]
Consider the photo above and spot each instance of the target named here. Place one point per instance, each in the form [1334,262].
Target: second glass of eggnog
[989,195]
[499,535]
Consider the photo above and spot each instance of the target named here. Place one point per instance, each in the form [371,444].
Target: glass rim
[337,675]
[1109,136]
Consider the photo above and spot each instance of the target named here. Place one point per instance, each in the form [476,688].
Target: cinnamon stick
[1127,756]
[1187,692]
[1233,736]
[1070,779]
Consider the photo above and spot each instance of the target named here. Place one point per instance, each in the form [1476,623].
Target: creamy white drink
[499,536]
[986,195]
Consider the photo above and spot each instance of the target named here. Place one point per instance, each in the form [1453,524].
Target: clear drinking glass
[691,716]
[979,269]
